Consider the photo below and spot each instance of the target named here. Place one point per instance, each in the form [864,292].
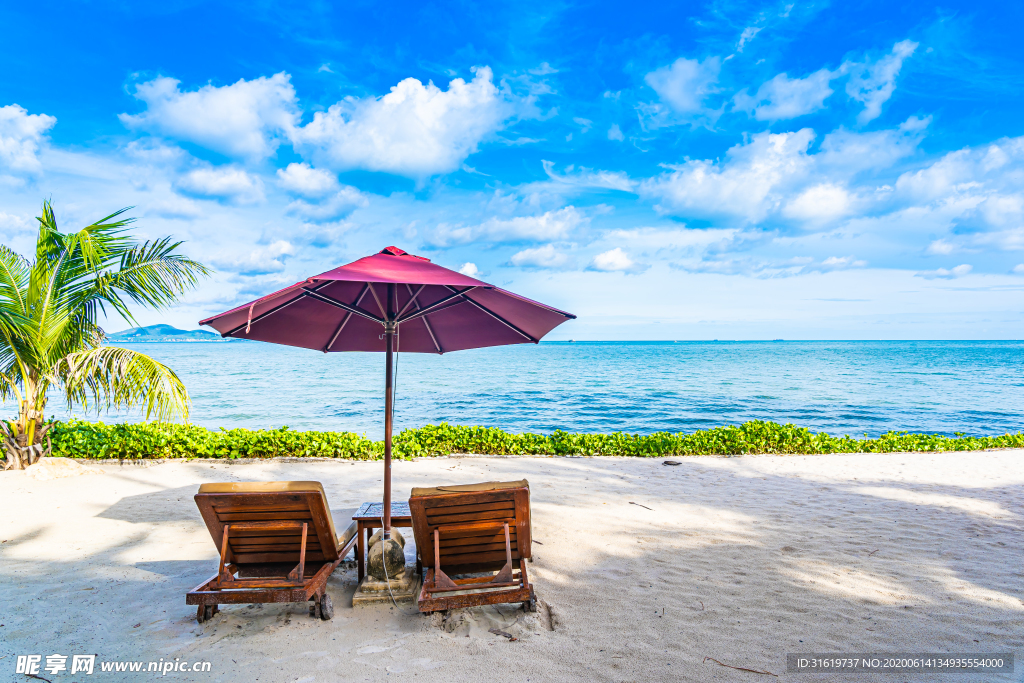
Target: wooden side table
[368,518]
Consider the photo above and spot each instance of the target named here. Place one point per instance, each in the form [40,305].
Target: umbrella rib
[273,310]
[374,292]
[424,318]
[501,320]
[348,316]
[340,304]
[430,309]
[432,337]
[411,300]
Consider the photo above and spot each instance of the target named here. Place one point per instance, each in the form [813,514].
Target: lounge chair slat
[283,557]
[283,507]
[273,547]
[475,540]
[483,530]
[497,556]
[476,548]
[472,507]
[246,533]
[437,519]
[260,547]
[298,515]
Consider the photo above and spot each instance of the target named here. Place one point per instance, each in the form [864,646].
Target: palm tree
[50,337]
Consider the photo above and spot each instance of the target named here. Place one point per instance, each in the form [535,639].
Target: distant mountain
[163,333]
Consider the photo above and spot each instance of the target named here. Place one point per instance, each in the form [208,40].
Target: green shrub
[79,439]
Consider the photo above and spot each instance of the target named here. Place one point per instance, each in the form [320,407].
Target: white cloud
[615,133]
[540,257]
[954,172]
[12,225]
[847,152]
[247,119]
[786,98]
[747,35]
[323,198]
[343,202]
[156,153]
[312,183]
[941,248]
[1000,240]
[225,183]
[873,83]
[1019,269]
[584,124]
[819,204]
[259,261]
[746,187]
[615,260]
[751,267]
[682,87]
[173,207]
[674,239]
[21,135]
[942,273]
[549,225]
[986,183]
[841,263]
[685,83]
[587,177]
[415,130]
[769,268]
[469,270]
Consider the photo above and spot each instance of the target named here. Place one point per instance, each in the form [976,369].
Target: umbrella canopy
[429,309]
[435,309]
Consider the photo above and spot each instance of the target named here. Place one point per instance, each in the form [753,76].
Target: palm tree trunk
[22,440]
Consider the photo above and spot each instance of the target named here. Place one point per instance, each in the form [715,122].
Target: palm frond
[152,274]
[115,377]
[14,275]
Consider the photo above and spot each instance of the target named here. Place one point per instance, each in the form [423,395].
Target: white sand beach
[739,559]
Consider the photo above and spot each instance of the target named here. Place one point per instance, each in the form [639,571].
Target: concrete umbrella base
[404,588]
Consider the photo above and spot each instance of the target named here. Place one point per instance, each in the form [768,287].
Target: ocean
[841,387]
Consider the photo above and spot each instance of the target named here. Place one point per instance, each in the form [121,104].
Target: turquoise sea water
[834,386]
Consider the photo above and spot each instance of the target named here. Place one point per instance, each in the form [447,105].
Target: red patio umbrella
[429,308]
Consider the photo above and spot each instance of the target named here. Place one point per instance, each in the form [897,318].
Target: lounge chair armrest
[345,536]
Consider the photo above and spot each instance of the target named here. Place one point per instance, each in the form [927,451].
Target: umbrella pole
[389,410]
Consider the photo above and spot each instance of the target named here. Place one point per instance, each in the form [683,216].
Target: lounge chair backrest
[273,501]
[469,550]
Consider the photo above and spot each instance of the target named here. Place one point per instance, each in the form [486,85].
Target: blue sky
[719,170]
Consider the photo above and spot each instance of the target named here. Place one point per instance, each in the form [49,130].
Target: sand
[740,559]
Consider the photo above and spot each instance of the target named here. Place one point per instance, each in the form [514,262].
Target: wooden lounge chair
[277,543]
[473,529]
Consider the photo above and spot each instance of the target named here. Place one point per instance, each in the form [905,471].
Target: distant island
[162,334]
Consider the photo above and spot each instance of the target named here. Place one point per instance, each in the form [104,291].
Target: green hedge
[78,439]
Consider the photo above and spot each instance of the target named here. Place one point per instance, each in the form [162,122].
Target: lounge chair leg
[326,607]
[531,604]
[205,613]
